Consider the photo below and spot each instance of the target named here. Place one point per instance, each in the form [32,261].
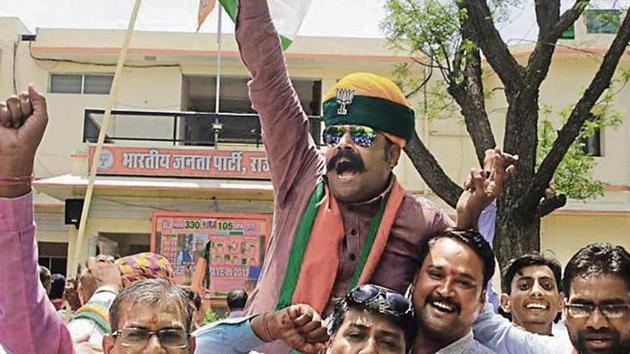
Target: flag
[287,16]
[205,8]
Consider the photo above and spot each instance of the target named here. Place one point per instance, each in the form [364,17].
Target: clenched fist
[23,120]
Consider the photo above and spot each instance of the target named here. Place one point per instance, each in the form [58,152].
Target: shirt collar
[373,203]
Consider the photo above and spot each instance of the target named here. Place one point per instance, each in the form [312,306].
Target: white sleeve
[497,333]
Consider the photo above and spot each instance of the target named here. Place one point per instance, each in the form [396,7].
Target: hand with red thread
[23,120]
[299,326]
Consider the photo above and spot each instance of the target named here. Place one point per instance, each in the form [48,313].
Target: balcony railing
[180,128]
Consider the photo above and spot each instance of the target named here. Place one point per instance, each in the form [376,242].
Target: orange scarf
[320,263]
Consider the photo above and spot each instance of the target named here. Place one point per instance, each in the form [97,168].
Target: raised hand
[483,186]
[104,271]
[23,120]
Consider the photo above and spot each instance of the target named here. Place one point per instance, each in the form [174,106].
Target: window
[239,123]
[65,83]
[98,84]
[602,21]
[593,144]
[78,83]
[53,255]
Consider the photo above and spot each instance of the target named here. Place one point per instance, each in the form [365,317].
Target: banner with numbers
[236,252]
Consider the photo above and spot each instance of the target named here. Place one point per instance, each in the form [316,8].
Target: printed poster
[237,248]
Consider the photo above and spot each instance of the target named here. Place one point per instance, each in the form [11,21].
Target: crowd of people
[355,264]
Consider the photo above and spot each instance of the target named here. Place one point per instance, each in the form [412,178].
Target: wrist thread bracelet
[14,181]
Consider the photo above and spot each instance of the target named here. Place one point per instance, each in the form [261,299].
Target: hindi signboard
[137,161]
[237,246]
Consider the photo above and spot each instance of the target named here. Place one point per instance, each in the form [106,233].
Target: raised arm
[500,335]
[483,186]
[28,321]
[290,148]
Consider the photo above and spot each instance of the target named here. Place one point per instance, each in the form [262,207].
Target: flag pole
[218,80]
[113,97]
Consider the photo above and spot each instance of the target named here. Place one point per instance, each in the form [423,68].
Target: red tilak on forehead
[154,319]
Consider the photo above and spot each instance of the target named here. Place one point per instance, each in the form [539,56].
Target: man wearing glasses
[341,218]
[150,316]
[597,301]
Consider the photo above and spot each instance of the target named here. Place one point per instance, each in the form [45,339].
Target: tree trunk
[515,234]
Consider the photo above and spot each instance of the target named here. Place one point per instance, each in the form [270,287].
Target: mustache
[354,160]
[588,332]
[447,300]
[618,345]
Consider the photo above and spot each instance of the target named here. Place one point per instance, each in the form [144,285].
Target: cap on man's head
[371,100]
[145,265]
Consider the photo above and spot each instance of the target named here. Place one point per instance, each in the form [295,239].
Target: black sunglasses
[380,299]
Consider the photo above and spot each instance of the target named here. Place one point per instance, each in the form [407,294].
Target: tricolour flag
[287,16]
[205,8]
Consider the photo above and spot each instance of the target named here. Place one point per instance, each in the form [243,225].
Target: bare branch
[425,80]
[580,113]
[469,95]
[521,125]
[551,202]
[551,27]
[430,170]
[550,31]
[547,14]
[423,64]
[568,18]
[445,53]
[494,48]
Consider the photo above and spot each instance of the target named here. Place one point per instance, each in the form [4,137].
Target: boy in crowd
[532,292]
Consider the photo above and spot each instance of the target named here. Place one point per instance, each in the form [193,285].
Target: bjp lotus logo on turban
[344,98]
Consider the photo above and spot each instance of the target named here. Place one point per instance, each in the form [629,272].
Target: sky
[333,18]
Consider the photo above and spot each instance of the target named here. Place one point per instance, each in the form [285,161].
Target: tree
[449,37]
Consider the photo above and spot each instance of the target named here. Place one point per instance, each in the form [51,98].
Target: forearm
[493,331]
[29,323]
[14,191]
[235,335]
[260,328]
[467,219]
[290,149]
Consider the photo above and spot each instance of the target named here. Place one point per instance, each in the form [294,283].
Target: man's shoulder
[419,211]
[419,201]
